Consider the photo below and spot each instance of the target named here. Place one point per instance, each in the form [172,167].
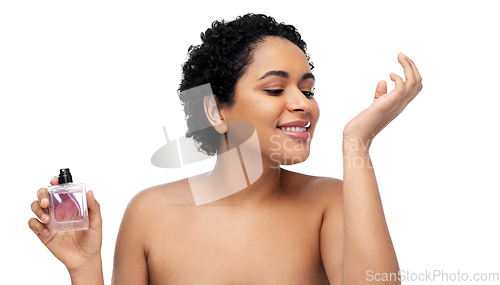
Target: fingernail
[46,232]
[45,218]
[42,202]
[402,54]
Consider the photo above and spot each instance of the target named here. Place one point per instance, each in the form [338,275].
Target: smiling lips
[296,129]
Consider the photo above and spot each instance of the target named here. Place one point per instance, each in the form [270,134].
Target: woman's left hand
[386,106]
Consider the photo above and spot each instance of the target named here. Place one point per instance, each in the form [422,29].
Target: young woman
[282,228]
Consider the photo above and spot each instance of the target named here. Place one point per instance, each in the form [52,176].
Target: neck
[244,177]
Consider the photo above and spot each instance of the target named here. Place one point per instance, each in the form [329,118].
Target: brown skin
[267,233]
[286,228]
[165,238]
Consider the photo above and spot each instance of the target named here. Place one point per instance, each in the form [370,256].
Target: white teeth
[294,129]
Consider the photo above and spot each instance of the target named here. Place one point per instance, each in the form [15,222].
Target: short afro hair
[222,58]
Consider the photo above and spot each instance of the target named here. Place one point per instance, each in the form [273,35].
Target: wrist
[352,145]
[356,153]
[89,273]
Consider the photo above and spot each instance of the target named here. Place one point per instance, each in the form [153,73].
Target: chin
[289,157]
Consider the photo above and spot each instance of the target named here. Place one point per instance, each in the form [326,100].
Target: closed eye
[274,91]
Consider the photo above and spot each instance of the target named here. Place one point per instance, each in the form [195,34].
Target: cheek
[263,114]
[314,113]
[253,105]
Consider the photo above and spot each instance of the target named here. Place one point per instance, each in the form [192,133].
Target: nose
[298,102]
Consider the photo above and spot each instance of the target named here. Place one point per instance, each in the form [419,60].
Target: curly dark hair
[222,58]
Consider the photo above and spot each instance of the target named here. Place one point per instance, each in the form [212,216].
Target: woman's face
[275,92]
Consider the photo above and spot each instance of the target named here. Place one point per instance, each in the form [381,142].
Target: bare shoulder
[173,193]
[155,205]
[326,189]
[151,208]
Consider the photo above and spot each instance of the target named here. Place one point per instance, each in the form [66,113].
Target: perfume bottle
[67,204]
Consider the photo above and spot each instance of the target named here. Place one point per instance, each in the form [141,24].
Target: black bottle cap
[65,176]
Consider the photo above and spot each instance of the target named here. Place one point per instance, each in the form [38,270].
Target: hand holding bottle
[77,250]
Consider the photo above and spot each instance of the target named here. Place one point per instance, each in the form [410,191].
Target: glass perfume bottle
[67,204]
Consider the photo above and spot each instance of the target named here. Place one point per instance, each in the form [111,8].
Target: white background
[89,85]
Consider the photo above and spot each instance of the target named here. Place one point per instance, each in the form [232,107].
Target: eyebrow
[285,74]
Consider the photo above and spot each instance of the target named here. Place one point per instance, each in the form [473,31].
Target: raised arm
[367,253]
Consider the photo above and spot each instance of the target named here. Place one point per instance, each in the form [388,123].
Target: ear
[213,115]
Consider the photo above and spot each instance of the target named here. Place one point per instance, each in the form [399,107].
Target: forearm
[90,274]
[367,242]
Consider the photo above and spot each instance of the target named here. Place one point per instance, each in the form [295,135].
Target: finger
[418,77]
[38,228]
[381,89]
[396,110]
[387,102]
[399,84]
[54,180]
[409,73]
[399,92]
[41,213]
[94,207]
[418,87]
[43,200]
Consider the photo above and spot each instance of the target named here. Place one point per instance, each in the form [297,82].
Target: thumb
[95,218]
[381,89]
